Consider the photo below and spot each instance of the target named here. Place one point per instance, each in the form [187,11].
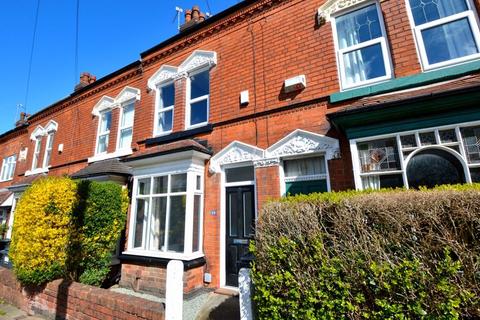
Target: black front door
[240,229]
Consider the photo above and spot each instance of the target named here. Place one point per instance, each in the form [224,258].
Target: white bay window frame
[148,223]
[459,143]
[198,99]
[47,156]
[36,153]
[340,53]
[473,21]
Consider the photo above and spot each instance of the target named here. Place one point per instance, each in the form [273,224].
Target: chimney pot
[202,17]
[195,12]
[188,15]
[86,78]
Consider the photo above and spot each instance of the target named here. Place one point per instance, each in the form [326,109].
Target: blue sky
[112,34]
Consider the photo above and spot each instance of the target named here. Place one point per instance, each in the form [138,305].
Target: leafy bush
[393,254]
[67,229]
[103,220]
[42,230]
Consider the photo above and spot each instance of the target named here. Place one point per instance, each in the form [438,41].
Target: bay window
[446,31]
[167,215]
[362,52]
[8,168]
[198,98]
[165,105]
[104,126]
[126,126]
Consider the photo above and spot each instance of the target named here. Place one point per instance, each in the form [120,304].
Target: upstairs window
[104,131]
[446,31]
[198,100]
[8,168]
[166,103]
[36,153]
[126,126]
[362,52]
[48,150]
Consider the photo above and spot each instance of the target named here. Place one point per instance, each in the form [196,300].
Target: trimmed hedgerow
[103,220]
[67,229]
[393,254]
[42,230]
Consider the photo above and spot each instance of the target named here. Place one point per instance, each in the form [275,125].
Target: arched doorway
[431,167]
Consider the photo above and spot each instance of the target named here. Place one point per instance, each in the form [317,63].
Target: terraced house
[268,98]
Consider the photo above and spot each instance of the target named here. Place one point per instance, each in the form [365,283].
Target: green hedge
[392,254]
[67,229]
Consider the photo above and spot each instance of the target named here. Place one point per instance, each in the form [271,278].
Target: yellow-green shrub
[42,230]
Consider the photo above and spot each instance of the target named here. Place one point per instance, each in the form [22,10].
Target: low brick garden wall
[64,299]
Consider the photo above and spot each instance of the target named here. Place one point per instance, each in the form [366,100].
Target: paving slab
[9,312]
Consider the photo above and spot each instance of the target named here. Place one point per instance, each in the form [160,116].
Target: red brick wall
[267,184]
[62,299]
[151,278]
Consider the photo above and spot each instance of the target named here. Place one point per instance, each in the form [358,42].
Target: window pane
[143,186]
[378,155]
[427,138]
[447,136]
[47,157]
[176,230]
[125,138]
[306,187]
[160,184]
[304,167]
[471,141]
[240,174]
[248,215]
[358,26]
[142,208]
[167,96]
[50,141]
[198,186]
[102,143]
[128,113]
[196,222]
[408,141]
[159,212]
[364,64]
[178,183]
[475,174]
[383,181]
[429,10]
[199,85]
[106,121]
[165,121]
[198,112]
[449,41]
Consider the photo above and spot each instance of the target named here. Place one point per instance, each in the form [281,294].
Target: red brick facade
[258,45]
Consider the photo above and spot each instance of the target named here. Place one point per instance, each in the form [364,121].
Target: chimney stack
[192,17]
[85,79]
[23,119]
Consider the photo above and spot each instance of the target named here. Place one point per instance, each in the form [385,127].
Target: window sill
[105,156]
[6,180]
[36,171]
[163,255]
[416,80]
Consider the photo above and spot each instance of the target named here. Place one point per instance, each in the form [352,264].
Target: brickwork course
[256,46]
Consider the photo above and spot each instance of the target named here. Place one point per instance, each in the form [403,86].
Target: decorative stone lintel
[266,162]
[331,7]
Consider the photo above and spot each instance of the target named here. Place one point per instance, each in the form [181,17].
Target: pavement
[9,312]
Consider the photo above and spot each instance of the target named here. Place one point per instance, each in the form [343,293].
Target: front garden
[392,254]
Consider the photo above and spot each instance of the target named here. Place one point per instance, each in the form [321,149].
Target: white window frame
[36,153]
[473,21]
[147,237]
[159,109]
[100,133]
[404,162]
[339,53]
[50,138]
[189,101]
[120,128]
[8,173]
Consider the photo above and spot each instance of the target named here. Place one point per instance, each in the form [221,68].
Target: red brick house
[267,98]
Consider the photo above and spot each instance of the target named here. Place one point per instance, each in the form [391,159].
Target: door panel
[240,228]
